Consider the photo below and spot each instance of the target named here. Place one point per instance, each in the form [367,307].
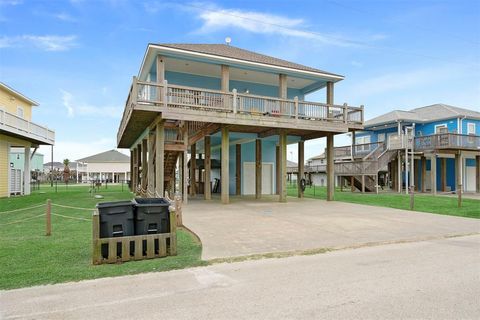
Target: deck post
[160,69]
[207,190]
[234,102]
[399,172]
[459,174]
[295,100]
[283,166]
[160,159]
[352,152]
[144,164]
[238,169]
[193,169]
[132,160]
[301,167]
[139,163]
[224,184]
[185,164]
[258,168]
[345,113]
[443,173]
[225,76]
[477,173]
[151,167]
[352,183]
[363,183]
[433,173]
[133,172]
[277,168]
[330,168]
[424,174]
[26,171]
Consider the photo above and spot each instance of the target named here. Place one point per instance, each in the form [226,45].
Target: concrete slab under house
[234,111]
[20,138]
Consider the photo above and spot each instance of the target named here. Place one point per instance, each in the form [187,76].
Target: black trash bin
[151,216]
[116,220]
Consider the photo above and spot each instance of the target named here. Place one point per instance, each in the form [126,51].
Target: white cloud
[10,2]
[215,19]
[82,109]
[63,16]
[46,42]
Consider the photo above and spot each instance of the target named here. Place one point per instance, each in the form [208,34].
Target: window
[471,128]
[381,137]
[441,128]
[362,145]
[20,112]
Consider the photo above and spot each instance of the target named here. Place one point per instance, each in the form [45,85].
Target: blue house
[234,111]
[445,142]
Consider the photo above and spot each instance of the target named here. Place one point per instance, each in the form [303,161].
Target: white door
[249,178]
[470,179]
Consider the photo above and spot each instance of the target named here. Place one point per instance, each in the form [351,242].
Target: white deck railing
[17,125]
[184,97]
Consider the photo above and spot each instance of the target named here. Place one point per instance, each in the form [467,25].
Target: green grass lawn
[28,257]
[423,202]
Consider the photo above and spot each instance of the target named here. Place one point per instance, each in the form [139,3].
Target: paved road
[436,279]
[247,227]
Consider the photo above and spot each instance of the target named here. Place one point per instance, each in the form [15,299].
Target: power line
[327,36]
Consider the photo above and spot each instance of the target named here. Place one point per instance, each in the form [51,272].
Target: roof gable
[107,156]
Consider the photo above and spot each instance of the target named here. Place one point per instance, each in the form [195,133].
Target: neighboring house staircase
[373,158]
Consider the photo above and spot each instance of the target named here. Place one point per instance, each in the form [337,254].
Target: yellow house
[18,131]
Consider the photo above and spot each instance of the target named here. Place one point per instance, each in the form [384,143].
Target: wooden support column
[277,169]
[160,160]
[193,169]
[238,169]
[330,168]
[283,166]
[144,164]
[224,184]
[363,183]
[26,171]
[132,161]
[352,184]
[301,167]
[258,168]
[477,173]
[151,167]
[443,173]
[208,167]
[138,179]
[417,174]
[282,86]
[225,76]
[399,172]
[353,145]
[184,165]
[424,174]
[433,173]
[133,174]
[459,176]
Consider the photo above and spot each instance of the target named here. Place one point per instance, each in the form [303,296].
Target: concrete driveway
[246,227]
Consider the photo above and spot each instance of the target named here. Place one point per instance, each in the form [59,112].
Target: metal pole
[412,162]
[406,159]
[51,170]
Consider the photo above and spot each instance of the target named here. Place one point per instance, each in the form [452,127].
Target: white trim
[15,92]
[440,126]
[227,59]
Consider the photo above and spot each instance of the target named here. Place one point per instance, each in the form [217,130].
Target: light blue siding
[465,123]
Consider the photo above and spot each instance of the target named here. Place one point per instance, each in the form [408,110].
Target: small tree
[66,170]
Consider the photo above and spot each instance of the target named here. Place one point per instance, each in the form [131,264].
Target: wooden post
[238,169]
[352,183]
[139,163]
[277,169]
[330,168]
[282,86]
[443,173]
[459,167]
[283,166]
[193,169]
[477,173]
[399,172]
[363,183]
[258,168]
[352,152]
[144,164]
[151,167]
[225,178]
[393,175]
[433,173]
[173,233]
[178,211]
[133,173]
[132,153]
[184,165]
[96,246]
[301,167]
[225,84]
[208,166]
[424,174]
[48,218]
[412,200]
[159,159]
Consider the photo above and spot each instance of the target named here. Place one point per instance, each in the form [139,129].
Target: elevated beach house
[230,109]
[18,131]
[434,148]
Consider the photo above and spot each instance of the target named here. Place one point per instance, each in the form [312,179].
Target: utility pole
[51,169]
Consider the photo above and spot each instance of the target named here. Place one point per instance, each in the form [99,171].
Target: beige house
[18,131]
[109,166]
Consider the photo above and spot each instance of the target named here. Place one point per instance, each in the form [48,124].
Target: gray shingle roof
[433,112]
[107,156]
[228,51]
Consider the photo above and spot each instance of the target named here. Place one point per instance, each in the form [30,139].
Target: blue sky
[77,58]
